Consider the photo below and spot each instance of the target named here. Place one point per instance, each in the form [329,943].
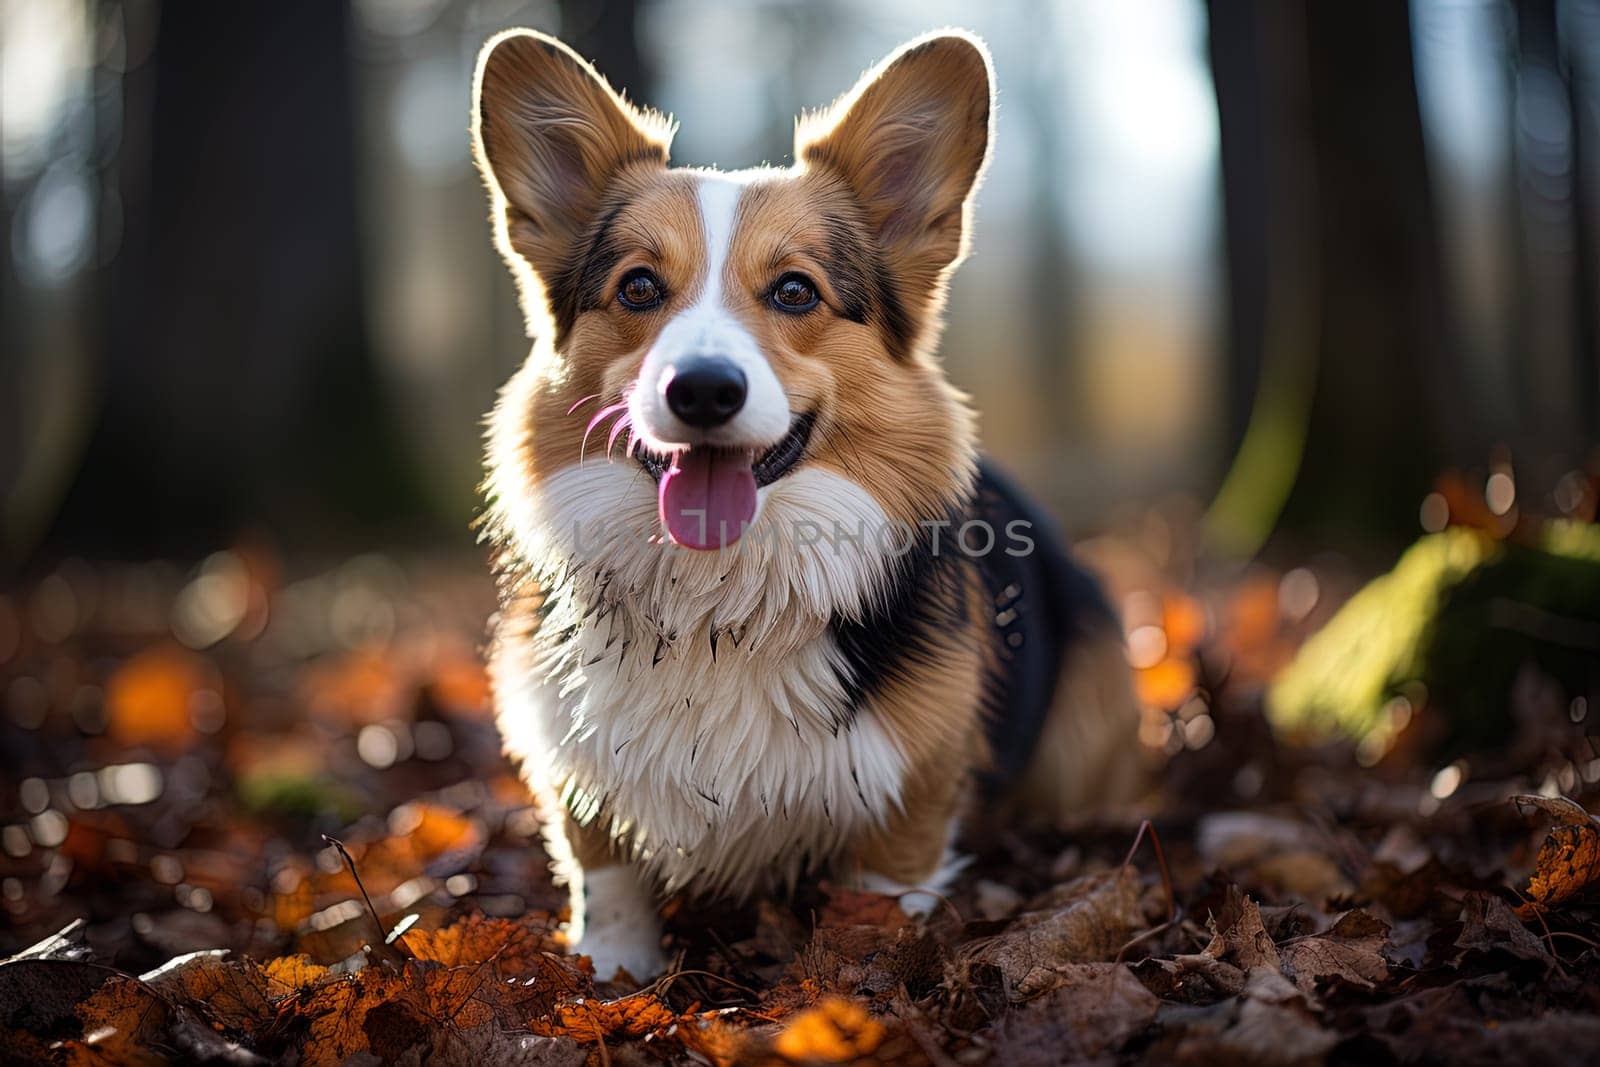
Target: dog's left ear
[551,137]
[911,139]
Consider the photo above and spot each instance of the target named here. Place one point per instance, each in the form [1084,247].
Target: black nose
[706,391]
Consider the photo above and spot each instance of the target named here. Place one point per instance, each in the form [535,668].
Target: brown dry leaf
[41,995]
[395,1014]
[335,1013]
[1095,1010]
[1350,952]
[1093,918]
[1267,1033]
[233,993]
[611,1020]
[1488,924]
[1269,1024]
[835,1030]
[850,907]
[1238,936]
[288,975]
[1191,979]
[120,1021]
[519,947]
[491,1045]
[1569,860]
[870,961]
[1406,894]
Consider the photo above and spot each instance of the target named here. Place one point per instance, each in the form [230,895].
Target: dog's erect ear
[551,137]
[911,139]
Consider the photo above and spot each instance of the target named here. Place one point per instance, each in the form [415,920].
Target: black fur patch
[921,612]
[580,285]
[1042,602]
[866,289]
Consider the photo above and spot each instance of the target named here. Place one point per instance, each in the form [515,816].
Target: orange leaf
[835,1031]
[1167,684]
[519,947]
[1569,860]
[148,697]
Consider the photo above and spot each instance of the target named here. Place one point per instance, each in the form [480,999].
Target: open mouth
[707,495]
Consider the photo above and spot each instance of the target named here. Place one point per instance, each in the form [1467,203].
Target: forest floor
[178,741]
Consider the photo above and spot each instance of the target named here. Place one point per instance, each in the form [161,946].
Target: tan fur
[1088,755]
[912,844]
[895,426]
[661,222]
[550,135]
[911,139]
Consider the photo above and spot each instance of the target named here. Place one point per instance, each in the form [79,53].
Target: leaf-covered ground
[179,740]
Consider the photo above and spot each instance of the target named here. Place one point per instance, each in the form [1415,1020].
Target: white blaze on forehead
[708,327]
[719,210]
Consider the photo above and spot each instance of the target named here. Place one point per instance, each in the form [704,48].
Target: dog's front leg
[912,858]
[621,927]
[615,920]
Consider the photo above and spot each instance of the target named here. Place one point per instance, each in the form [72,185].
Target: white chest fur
[696,697]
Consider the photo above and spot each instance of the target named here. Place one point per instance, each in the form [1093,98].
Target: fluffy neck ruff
[702,703]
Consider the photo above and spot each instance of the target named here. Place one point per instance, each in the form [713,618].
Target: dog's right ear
[550,137]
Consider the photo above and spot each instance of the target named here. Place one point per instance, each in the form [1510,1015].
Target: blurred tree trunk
[239,388]
[606,32]
[1386,383]
[1558,292]
[1339,333]
[1583,52]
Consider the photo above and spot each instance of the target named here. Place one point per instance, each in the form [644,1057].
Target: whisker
[600,416]
[585,400]
[625,422]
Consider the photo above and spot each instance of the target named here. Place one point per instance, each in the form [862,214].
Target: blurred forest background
[1261,291]
[1288,261]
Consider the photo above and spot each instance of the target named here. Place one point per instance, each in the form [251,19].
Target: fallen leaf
[1089,919]
[850,907]
[122,1020]
[607,1020]
[1096,1009]
[1350,952]
[1488,924]
[519,947]
[148,697]
[834,1031]
[288,975]
[1569,860]
[41,996]
[871,961]
[1238,936]
[1270,1023]
[1193,978]
[233,993]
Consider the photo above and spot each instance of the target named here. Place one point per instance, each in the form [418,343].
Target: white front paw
[922,898]
[633,947]
[621,928]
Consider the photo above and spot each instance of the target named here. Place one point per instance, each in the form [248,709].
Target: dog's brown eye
[640,291]
[794,292]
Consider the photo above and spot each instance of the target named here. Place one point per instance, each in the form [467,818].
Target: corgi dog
[764,610]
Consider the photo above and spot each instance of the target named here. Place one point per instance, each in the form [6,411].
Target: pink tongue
[707,497]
